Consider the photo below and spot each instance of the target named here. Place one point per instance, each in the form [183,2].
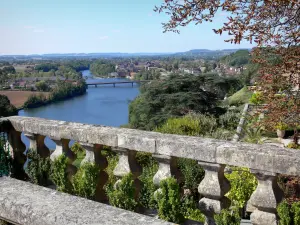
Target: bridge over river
[114,83]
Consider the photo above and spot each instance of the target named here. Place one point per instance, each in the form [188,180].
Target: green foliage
[123,195]
[42,86]
[295,209]
[239,58]
[189,208]
[283,210]
[293,145]
[174,97]
[102,68]
[36,101]
[62,91]
[150,167]
[38,168]
[243,184]
[85,180]
[228,217]
[256,98]
[192,125]
[112,160]
[46,67]
[168,200]
[240,97]
[281,126]
[193,173]
[79,152]
[59,174]
[229,120]
[5,159]
[6,109]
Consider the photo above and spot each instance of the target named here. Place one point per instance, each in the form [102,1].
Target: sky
[93,26]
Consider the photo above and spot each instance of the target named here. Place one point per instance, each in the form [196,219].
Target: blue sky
[88,26]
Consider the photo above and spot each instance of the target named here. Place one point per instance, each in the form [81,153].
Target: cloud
[116,31]
[103,37]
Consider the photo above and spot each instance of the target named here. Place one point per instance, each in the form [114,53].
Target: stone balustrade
[265,161]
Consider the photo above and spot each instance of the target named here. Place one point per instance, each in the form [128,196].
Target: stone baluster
[167,167]
[213,187]
[127,164]
[37,143]
[94,155]
[62,147]
[17,148]
[265,198]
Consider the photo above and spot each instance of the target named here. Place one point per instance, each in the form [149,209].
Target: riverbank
[63,91]
[18,98]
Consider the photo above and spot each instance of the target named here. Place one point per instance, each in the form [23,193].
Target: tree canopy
[176,96]
[274,26]
[6,109]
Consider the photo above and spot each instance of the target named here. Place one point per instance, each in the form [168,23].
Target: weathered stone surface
[37,143]
[265,198]
[213,187]
[262,157]
[62,147]
[28,204]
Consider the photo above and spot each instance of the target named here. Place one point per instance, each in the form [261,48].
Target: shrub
[256,98]
[112,160]
[123,195]
[284,214]
[293,145]
[38,168]
[79,152]
[168,200]
[35,101]
[85,180]
[229,120]
[150,167]
[295,209]
[191,125]
[59,174]
[192,172]
[228,217]
[243,184]
[190,209]
[5,159]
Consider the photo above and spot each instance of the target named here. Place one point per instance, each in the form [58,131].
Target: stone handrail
[265,161]
[27,204]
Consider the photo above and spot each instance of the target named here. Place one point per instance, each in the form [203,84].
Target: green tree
[6,109]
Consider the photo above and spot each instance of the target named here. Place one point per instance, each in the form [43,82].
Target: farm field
[17,98]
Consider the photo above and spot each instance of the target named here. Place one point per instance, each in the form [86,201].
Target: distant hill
[190,53]
[207,52]
[238,58]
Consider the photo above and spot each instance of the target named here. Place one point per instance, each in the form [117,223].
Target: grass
[240,97]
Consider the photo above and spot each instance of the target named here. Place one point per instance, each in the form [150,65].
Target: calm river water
[104,105]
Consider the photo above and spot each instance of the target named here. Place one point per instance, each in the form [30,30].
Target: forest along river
[104,105]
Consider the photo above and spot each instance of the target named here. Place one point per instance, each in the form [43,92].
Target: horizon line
[87,53]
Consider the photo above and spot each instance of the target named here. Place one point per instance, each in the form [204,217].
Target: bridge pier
[114,85]
[96,85]
[132,84]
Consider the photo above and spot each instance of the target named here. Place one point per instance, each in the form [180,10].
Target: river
[104,105]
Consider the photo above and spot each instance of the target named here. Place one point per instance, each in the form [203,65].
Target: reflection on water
[104,105]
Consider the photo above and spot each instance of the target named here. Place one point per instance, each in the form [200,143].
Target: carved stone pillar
[89,153]
[127,164]
[213,187]
[37,143]
[62,147]
[19,159]
[93,155]
[167,168]
[265,198]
